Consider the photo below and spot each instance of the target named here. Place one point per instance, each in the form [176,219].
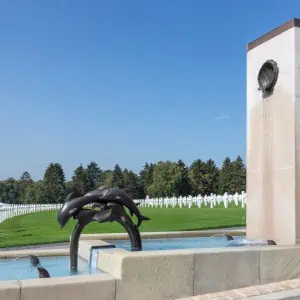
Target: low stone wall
[171,274]
[159,275]
[88,287]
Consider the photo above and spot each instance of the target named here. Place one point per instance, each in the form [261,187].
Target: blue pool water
[57,266]
[183,243]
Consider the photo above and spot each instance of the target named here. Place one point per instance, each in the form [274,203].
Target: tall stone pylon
[273,135]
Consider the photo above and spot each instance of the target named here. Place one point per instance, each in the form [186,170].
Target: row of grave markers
[12,210]
[197,201]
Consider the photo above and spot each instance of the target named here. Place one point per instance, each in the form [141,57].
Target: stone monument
[273,135]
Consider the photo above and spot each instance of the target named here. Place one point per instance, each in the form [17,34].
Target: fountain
[273,135]
[111,202]
[193,263]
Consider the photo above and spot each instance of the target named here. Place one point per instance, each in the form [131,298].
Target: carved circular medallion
[267,77]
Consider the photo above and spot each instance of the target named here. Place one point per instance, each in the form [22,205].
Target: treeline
[162,179]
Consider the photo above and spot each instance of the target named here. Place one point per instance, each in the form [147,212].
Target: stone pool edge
[161,274]
[172,274]
[165,234]
[38,252]
[88,287]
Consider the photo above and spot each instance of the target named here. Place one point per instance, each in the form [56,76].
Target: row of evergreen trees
[162,179]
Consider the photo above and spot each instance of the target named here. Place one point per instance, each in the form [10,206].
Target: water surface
[57,266]
[181,243]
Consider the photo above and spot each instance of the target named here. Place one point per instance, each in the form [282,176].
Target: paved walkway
[277,290]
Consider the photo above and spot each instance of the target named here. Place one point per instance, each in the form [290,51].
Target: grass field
[42,227]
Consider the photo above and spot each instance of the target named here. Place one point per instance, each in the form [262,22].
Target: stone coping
[273,33]
[276,290]
[167,234]
[162,274]
[90,287]
[38,252]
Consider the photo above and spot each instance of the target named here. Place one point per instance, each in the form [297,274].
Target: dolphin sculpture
[119,196]
[43,273]
[34,260]
[109,213]
[110,204]
[103,196]
[228,236]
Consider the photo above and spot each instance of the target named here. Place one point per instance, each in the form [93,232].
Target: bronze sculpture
[43,273]
[267,77]
[108,205]
[35,263]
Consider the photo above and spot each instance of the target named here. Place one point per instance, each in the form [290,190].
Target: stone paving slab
[293,294]
[266,291]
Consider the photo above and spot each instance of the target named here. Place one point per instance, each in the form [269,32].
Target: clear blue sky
[125,81]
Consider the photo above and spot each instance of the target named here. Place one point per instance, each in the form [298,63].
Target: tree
[33,193]
[54,189]
[106,178]
[11,191]
[2,189]
[26,178]
[126,177]
[225,176]
[81,183]
[211,177]
[183,187]
[94,175]
[132,185]
[238,176]
[197,177]
[25,181]
[146,178]
[69,187]
[163,179]
[117,179]
[166,176]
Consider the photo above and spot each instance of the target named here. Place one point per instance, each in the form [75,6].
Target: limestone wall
[172,274]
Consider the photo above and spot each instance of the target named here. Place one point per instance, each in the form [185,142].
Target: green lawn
[42,227]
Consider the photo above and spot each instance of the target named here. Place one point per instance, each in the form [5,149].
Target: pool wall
[88,287]
[159,275]
[162,235]
[171,274]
